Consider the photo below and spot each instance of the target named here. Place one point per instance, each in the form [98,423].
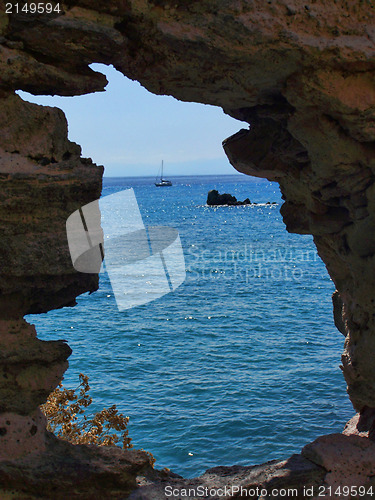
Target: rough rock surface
[42,181]
[301,73]
[79,472]
[275,477]
[214,198]
[349,461]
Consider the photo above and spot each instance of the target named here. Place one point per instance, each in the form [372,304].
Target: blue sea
[239,364]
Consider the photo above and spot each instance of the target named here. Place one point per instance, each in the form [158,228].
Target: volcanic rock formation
[214,198]
[302,74]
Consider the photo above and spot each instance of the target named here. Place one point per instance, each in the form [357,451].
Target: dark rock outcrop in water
[214,198]
[302,74]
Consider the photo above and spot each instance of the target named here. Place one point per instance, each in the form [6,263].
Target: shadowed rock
[214,198]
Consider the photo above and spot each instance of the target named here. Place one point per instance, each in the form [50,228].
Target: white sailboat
[160,182]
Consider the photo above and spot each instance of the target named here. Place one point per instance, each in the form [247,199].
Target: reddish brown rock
[79,472]
[43,180]
[30,368]
[280,479]
[349,461]
[362,424]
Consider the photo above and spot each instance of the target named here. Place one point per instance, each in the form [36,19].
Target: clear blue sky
[129,130]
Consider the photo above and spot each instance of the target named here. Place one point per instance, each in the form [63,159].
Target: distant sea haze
[238,365]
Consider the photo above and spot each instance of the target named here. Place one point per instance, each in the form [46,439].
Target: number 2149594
[32,8]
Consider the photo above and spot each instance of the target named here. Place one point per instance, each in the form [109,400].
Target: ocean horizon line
[247,177]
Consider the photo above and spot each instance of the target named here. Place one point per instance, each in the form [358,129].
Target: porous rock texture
[302,74]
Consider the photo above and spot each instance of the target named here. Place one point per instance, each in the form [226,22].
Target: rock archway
[303,76]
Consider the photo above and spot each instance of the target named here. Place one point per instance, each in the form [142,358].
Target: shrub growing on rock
[65,412]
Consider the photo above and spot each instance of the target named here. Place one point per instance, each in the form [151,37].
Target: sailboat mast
[161,181]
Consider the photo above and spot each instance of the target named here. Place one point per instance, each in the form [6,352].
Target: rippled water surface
[240,364]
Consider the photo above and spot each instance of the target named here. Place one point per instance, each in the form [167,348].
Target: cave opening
[240,362]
